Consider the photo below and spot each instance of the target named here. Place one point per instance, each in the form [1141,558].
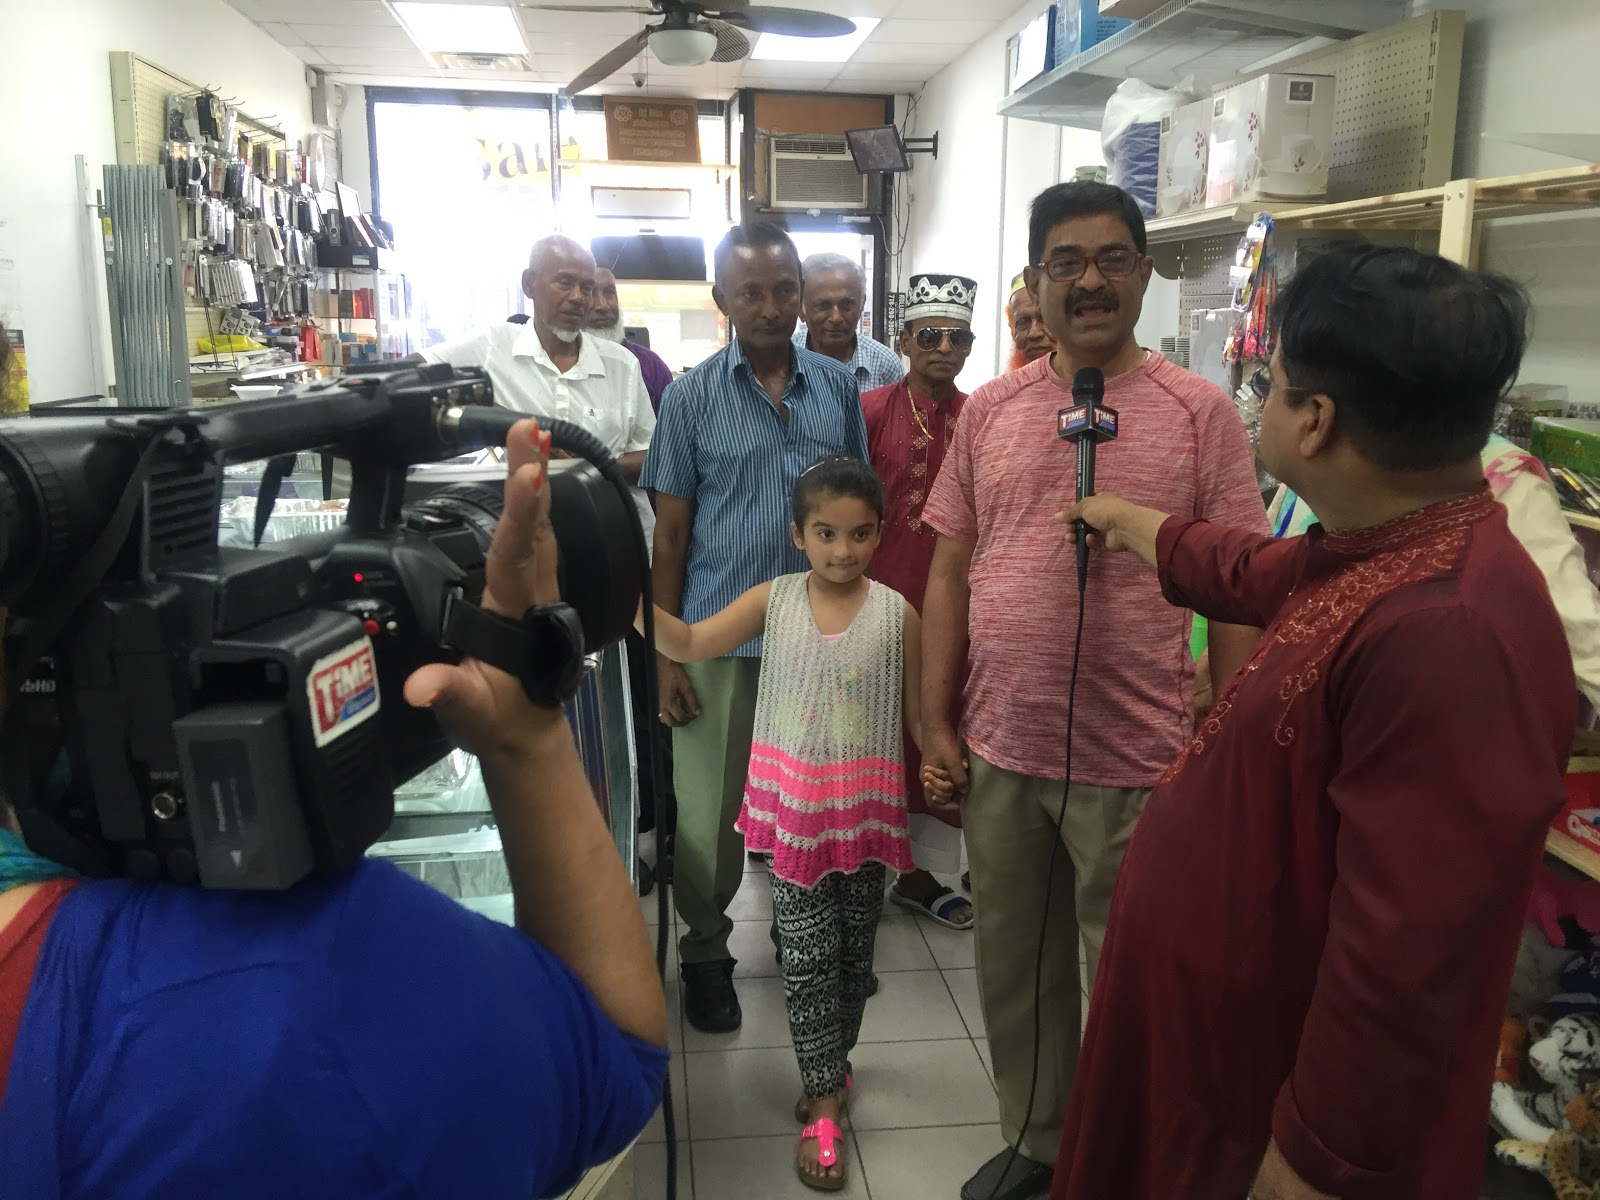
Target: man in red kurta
[1311,940]
[909,427]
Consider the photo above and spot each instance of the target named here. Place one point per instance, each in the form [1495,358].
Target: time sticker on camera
[343,690]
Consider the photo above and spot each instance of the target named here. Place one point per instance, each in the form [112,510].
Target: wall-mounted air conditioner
[816,171]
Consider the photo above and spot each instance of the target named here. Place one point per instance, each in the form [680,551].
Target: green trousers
[710,759]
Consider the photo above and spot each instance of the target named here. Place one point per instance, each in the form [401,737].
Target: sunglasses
[933,337]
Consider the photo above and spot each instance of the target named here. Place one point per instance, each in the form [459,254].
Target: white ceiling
[359,41]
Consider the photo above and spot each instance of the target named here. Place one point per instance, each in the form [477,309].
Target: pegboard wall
[139,91]
[1394,109]
[1204,280]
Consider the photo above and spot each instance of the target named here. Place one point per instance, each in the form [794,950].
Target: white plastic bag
[1130,136]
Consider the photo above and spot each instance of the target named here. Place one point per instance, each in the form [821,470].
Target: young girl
[840,673]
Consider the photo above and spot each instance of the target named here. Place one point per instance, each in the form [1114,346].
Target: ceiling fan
[692,32]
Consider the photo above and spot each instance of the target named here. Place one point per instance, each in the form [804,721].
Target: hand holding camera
[485,708]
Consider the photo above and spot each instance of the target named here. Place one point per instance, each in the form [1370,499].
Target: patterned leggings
[826,934]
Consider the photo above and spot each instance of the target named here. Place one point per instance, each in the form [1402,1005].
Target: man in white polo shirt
[550,369]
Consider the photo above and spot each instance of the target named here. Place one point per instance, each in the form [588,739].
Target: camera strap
[278,470]
[543,651]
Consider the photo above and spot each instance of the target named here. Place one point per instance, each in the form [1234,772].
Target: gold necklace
[916,416]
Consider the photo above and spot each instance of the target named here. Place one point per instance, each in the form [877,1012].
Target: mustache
[1104,297]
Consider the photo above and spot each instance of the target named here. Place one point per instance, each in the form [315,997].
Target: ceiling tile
[380,58]
[886,50]
[943,10]
[316,12]
[963,33]
[892,72]
[283,34]
[339,36]
[615,26]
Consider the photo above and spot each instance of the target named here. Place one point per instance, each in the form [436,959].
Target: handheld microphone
[1087,422]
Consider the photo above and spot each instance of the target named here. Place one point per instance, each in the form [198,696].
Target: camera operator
[358,1035]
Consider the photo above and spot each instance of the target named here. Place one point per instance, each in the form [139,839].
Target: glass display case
[444,832]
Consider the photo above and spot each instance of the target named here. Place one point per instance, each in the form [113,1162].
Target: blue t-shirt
[353,1038]
[721,445]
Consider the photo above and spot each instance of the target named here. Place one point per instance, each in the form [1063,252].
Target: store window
[465,179]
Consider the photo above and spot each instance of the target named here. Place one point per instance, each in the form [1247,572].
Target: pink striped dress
[827,788]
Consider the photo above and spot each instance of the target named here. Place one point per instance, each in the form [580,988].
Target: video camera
[231,716]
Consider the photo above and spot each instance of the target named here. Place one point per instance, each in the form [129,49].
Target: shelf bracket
[1457,225]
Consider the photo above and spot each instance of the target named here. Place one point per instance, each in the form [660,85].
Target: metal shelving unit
[1453,211]
[1212,41]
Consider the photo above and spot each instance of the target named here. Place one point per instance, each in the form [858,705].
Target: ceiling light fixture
[776,47]
[461,28]
[683,47]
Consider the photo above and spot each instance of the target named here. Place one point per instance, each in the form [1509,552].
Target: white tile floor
[924,1114]
[924,1117]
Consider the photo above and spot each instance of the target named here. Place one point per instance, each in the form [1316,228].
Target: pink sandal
[827,1135]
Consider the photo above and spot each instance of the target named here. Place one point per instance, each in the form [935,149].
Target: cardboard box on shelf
[1567,442]
[1271,139]
[1181,169]
[1080,26]
[1579,818]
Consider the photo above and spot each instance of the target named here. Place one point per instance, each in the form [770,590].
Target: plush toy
[1567,910]
[1529,1156]
[1508,1061]
[1568,1059]
[1578,987]
[1572,1156]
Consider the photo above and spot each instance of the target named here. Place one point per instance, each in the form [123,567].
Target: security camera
[638,81]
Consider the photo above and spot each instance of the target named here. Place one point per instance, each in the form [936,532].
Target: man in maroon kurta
[1310,945]
[909,427]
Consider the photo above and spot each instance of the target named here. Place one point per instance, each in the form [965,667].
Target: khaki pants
[710,761]
[1010,821]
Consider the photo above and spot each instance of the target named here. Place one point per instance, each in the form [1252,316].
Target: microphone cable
[1044,920]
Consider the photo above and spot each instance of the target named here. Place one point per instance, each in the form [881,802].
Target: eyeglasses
[1113,264]
[932,337]
[1261,385]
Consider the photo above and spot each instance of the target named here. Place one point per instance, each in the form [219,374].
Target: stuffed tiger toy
[1568,1060]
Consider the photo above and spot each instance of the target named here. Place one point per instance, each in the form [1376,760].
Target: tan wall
[815,114]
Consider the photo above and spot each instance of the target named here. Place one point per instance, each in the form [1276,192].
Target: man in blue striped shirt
[833,293]
[733,435]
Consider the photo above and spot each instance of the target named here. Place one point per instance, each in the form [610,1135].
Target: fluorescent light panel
[777,47]
[462,28]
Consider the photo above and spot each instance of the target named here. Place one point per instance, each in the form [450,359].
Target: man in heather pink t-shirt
[1003,591]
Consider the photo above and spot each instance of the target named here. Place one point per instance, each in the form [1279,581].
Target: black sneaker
[1023,1179]
[709,1000]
